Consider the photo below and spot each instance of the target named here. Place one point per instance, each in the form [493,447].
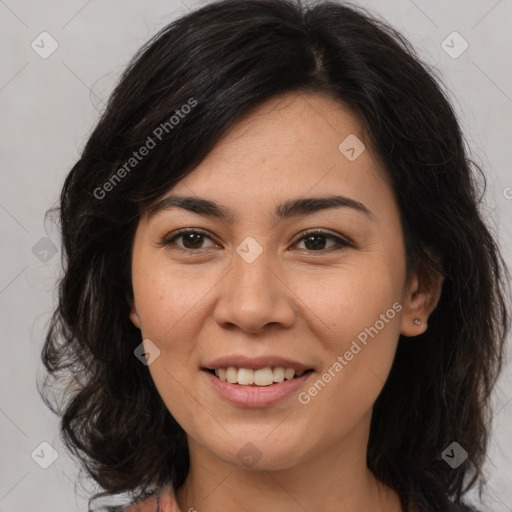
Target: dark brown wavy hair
[230,56]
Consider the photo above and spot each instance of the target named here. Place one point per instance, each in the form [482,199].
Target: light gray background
[47,110]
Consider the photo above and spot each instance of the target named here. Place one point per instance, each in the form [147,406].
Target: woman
[279,293]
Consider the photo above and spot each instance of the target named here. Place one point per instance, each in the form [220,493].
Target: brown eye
[315,241]
[191,240]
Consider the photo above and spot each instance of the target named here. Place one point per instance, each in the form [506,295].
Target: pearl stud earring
[417,321]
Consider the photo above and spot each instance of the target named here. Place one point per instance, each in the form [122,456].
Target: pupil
[195,239]
[189,237]
[316,245]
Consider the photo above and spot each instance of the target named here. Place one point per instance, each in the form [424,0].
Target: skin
[294,300]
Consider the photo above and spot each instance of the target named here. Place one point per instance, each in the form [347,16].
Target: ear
[134,316]
[422,294]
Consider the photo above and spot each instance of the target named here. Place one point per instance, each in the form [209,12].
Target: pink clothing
[164,502]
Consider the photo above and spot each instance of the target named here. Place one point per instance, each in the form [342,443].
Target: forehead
[292,146]
[305,126]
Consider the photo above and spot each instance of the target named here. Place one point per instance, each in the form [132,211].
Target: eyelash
[340,242]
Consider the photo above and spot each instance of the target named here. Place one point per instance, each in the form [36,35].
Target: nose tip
[253,299]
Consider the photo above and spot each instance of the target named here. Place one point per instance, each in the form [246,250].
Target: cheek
[350,298]
[169,305]
[360,317]
[167,299]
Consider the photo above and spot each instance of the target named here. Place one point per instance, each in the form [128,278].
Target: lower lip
[256,396]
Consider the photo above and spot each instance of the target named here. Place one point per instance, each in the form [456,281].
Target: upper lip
[255,363]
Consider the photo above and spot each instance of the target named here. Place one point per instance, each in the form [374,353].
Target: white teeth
[245,377]
[289,373]
[261,377]
[278,374]
[231,375]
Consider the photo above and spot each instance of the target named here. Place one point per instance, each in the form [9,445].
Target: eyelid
[345,241]
[167,239]
[341,240]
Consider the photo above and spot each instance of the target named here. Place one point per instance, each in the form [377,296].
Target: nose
[254,295]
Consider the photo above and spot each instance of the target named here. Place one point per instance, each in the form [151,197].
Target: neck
[333,480]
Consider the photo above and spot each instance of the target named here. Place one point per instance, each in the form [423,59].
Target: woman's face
[251,290]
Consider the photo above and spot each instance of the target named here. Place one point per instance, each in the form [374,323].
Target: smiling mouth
[256,378]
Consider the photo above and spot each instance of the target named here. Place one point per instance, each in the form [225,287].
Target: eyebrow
[288,209]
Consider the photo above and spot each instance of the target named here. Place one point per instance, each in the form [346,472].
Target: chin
[260,455]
